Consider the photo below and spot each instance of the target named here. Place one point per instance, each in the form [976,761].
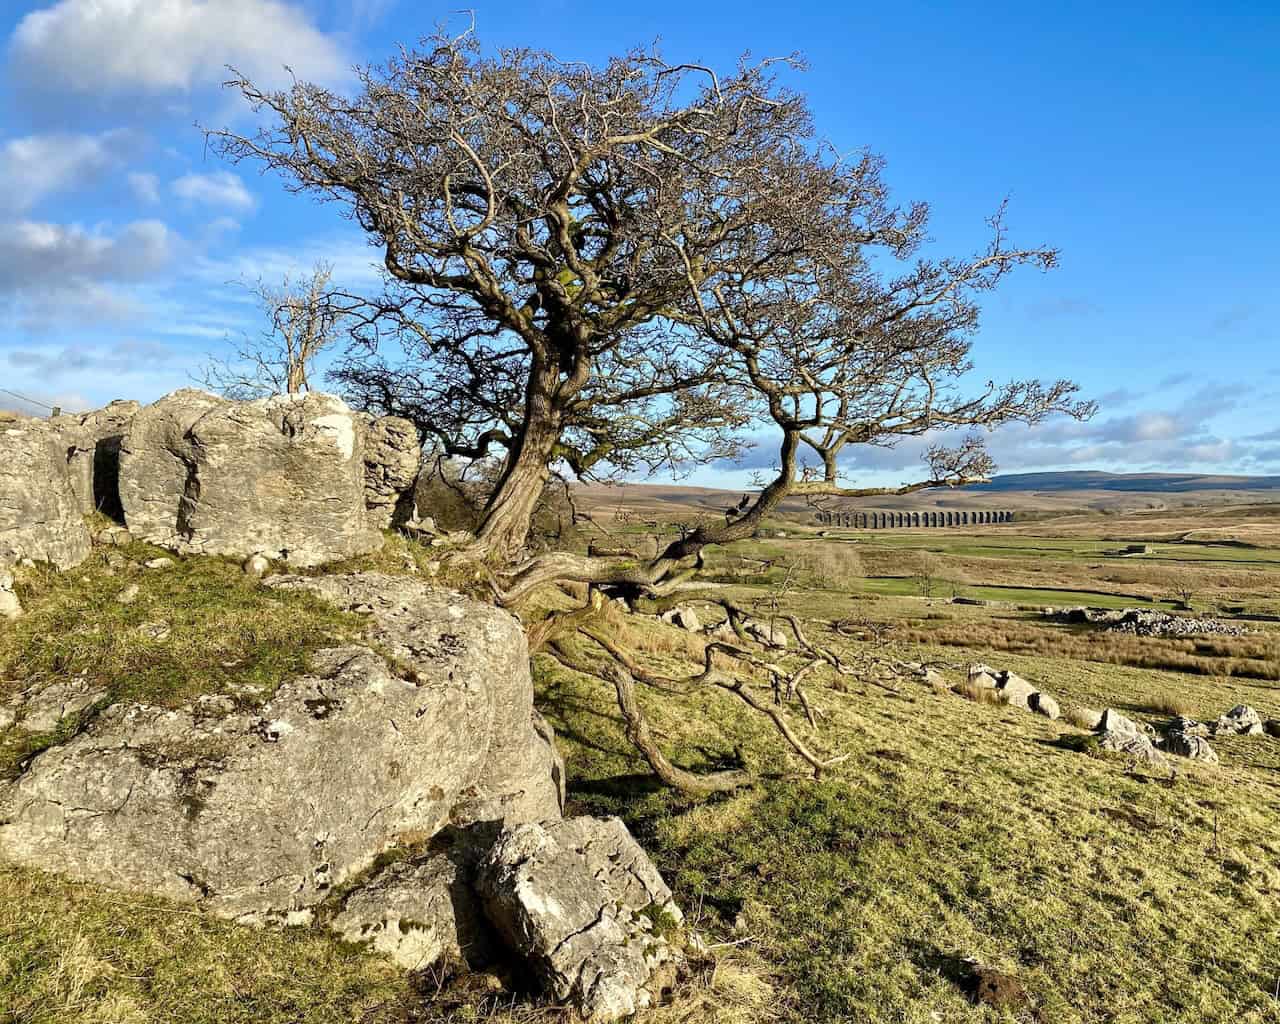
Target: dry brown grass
[1165,702]
[979,694]
[1248,657]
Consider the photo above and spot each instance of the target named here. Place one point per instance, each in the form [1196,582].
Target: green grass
[226,634]
[954,831]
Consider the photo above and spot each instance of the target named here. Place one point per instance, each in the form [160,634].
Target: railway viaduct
[877,520]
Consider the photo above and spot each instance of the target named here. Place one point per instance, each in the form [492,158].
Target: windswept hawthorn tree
[637,265]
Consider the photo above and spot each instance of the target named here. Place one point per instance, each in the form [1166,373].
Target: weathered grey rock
[129,594]
[1113,721]
[392,458]
[10,606]
[40,518]
[1132,744]
[257,814]
[159,563]
[281,476]
[91,443]
[684,618]
[1241,720]
[577,898]
[422,911]
[1016,691]
[44,708]
[8,716]
[1042,704]
[1185,744]
[1189,727]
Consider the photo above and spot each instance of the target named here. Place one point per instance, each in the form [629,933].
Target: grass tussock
[979,694]
[1165,702]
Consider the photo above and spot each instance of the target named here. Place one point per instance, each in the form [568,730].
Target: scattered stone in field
[1133,744]
[1241,720]
[1112,721]
[1190,745]
[684,617]
[1042,704]
[582,903]
[1189,727]
[1085,718]
[256,566]
[1016,691]
[158,563]
[157,631]
[129,594]
[43,709]
[10,606]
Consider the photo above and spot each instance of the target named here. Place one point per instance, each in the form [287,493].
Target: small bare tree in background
[303,319]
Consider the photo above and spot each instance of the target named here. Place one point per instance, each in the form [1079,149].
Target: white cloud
[38,166]
[155,46]
[145,186]
[36,254]
[218,188]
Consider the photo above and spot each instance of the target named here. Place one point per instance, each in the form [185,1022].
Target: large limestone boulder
[40,517]
[281,476]
[256,813]
[578,899]
[91,442]
[392,458]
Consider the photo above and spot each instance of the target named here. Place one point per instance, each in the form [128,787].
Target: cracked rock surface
[39,513]
[257,814]
[298,478]
[578,899]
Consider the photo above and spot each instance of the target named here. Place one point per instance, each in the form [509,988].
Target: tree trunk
[509,512]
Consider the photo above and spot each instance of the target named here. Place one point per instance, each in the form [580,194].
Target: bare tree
[631,267]
[303,319]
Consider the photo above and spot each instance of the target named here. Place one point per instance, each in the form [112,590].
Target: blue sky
[1143,140]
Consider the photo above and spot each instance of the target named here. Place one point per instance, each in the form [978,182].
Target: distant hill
[1150,483]
[1026,492]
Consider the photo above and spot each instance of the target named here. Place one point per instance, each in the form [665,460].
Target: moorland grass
[956,832]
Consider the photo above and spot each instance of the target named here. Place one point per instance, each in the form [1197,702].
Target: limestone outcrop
[256,813]
[40,517]
[91,442]
[283,476]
